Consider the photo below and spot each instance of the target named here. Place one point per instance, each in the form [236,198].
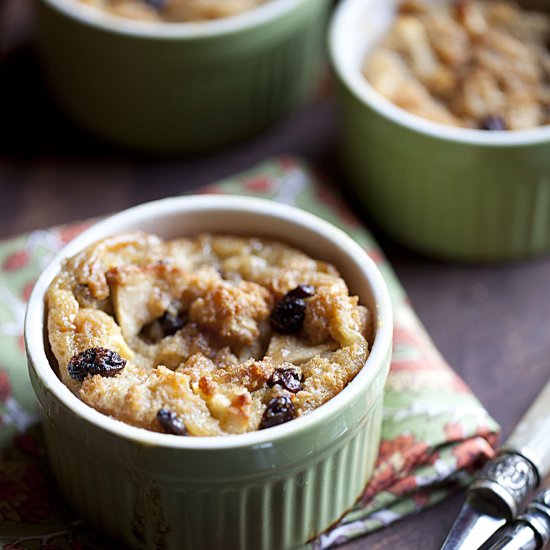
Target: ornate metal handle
[530,438]
[506,482]
[537,516]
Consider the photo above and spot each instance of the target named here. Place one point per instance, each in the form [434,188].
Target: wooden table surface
[490,321]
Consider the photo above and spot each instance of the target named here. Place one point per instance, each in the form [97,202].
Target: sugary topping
[196,336]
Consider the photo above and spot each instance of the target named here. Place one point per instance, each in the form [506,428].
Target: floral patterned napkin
[435,431]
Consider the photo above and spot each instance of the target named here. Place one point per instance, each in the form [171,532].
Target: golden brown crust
[232,312]
[192,319]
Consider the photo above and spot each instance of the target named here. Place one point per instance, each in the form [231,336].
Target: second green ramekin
[169,87]
[273,489]
[447,192]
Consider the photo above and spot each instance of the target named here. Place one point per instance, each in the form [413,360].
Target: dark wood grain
[491,322]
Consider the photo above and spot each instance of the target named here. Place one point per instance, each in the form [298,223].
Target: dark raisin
[301,291]
[164,326]
[290,378]
[493,123]
[289,313]
[171,322]
[288,316]
[171,423]
[279,410]
[157,4]
[102,361]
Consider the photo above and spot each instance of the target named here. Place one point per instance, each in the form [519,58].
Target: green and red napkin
[435,431]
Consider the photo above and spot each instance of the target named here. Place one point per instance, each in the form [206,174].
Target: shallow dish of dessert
[215,362]
[180,75]
[445,120]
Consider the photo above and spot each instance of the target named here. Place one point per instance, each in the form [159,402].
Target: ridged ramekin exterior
[447,199]
[182,93]
[274,498]
[271,489]
[453,193]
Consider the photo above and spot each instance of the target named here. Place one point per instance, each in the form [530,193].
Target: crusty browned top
[193,319]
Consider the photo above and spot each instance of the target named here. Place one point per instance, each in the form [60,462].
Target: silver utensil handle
[537,516]
[523,463]
[505,482]
[531,531]
[531,438]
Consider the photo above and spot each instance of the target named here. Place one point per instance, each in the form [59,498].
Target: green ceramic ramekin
[272,489]
[169,87]
[447,192]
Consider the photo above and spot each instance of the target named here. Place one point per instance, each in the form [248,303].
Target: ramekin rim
[98,18]
[38,360]
[364,92]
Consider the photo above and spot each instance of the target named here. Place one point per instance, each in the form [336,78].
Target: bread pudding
[481,64]
[175,10]
[204,336]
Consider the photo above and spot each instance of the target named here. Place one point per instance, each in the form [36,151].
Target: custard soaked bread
[203,336]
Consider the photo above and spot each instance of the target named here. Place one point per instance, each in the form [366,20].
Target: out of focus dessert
[209,335]
[175,10]
[469,63]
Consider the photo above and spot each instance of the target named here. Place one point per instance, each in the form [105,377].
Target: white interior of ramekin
[176,217]
[357,26]
[91,15]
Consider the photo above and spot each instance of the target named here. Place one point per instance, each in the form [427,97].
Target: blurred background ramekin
[168,87]
[271,489]
[447,192]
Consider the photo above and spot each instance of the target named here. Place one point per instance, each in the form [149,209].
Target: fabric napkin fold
[435,432]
